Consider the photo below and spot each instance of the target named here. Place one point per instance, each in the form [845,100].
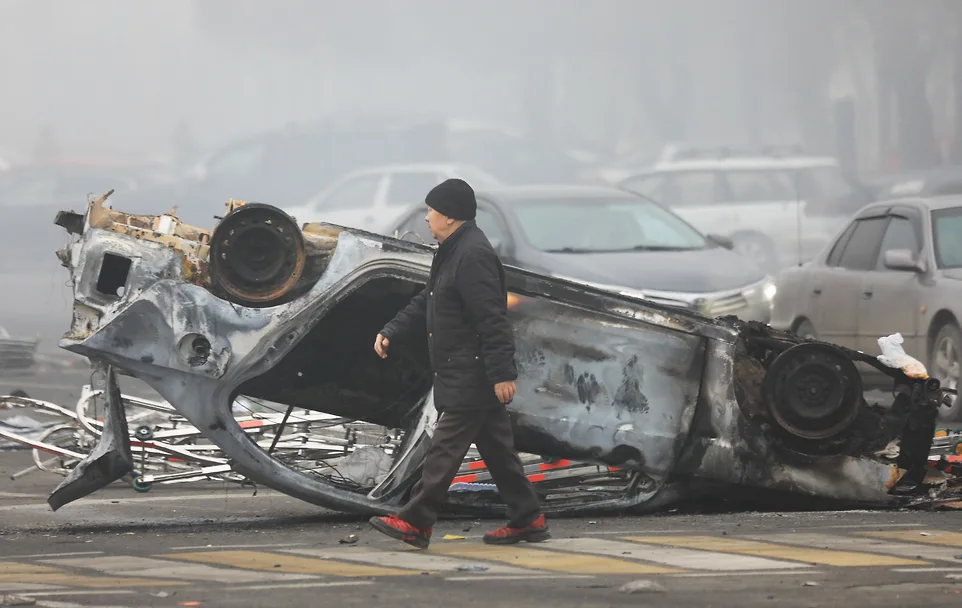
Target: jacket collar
[455,236]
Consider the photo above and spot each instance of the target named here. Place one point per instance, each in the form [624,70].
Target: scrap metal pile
[623,404]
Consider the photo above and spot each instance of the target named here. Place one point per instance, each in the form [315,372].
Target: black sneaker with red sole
[535,532]
[402,531]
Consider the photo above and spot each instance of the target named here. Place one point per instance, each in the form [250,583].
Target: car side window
[490,225]
[900,234]
[357,193]
[862,248]
[759,186]
[408,188]
[689,189]
[415,225]
[836,253]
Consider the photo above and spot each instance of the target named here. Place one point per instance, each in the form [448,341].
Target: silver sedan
[896,267]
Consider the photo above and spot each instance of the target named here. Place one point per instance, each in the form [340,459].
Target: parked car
[896,267]
[777,209]
[938,181]
[372,198]
[616,240]
[287,166]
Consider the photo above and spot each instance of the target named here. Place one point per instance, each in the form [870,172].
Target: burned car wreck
[659,402]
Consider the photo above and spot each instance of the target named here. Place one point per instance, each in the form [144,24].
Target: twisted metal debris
[663,403]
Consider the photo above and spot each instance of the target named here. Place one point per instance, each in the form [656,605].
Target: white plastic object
[893,355]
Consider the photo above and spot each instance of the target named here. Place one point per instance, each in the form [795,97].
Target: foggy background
[159,85]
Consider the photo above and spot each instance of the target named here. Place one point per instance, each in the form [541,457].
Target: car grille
[727,305]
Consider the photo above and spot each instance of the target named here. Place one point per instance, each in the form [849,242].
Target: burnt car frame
[675,401]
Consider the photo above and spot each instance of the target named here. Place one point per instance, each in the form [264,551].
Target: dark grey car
[896,267]
[616,240]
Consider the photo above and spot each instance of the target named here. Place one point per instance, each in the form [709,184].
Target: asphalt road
[219,544]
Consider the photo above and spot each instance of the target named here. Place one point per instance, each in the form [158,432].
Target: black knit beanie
[453,198]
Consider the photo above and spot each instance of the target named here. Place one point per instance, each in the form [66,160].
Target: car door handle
[817,291]
[867,295]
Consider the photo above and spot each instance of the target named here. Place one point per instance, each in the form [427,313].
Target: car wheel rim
[946,365]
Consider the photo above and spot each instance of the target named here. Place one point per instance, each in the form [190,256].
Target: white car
[778,210]
[373,198]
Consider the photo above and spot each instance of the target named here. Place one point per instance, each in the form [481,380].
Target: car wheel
[945,363]
[756,247]
[806,330]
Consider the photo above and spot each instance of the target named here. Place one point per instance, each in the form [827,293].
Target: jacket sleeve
[412,318]
[480,285]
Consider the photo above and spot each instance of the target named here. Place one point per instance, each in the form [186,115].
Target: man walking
[463,311]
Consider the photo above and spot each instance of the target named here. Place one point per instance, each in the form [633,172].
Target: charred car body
[662,400]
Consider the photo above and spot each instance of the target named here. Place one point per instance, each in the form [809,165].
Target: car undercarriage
[622,404]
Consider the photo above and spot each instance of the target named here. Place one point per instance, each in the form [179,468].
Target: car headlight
[763,291]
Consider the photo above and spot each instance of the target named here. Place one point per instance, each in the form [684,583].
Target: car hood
[694,271]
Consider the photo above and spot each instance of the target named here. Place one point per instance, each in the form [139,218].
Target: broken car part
[667,401]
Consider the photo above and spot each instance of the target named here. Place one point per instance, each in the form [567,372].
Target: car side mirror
[721,241]
[902,259]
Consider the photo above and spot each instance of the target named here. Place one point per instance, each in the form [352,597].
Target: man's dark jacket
[463,309]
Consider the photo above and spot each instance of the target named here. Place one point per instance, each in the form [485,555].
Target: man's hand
[380,346]
[505,391]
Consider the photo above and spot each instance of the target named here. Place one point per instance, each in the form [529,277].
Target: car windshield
[580,225]
[947,237]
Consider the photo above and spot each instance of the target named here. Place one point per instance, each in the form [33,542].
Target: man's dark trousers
[489,429]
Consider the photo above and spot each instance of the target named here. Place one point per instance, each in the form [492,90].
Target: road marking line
[554,561]
[871,526]
[482,577]
[688,530]
[32,573]
[36,555]
[4,587]
[926,569]
[867,545]
[689,559]
[85,592]
[936,537]
[740,574]
[279,562]
[215,547]
[762,549]
[145,567]
[18,495]
[305,585]
[408,559]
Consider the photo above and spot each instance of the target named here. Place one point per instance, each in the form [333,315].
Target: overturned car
[659,402]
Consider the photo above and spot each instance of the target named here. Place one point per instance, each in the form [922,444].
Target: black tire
[806,330]
[944,358]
